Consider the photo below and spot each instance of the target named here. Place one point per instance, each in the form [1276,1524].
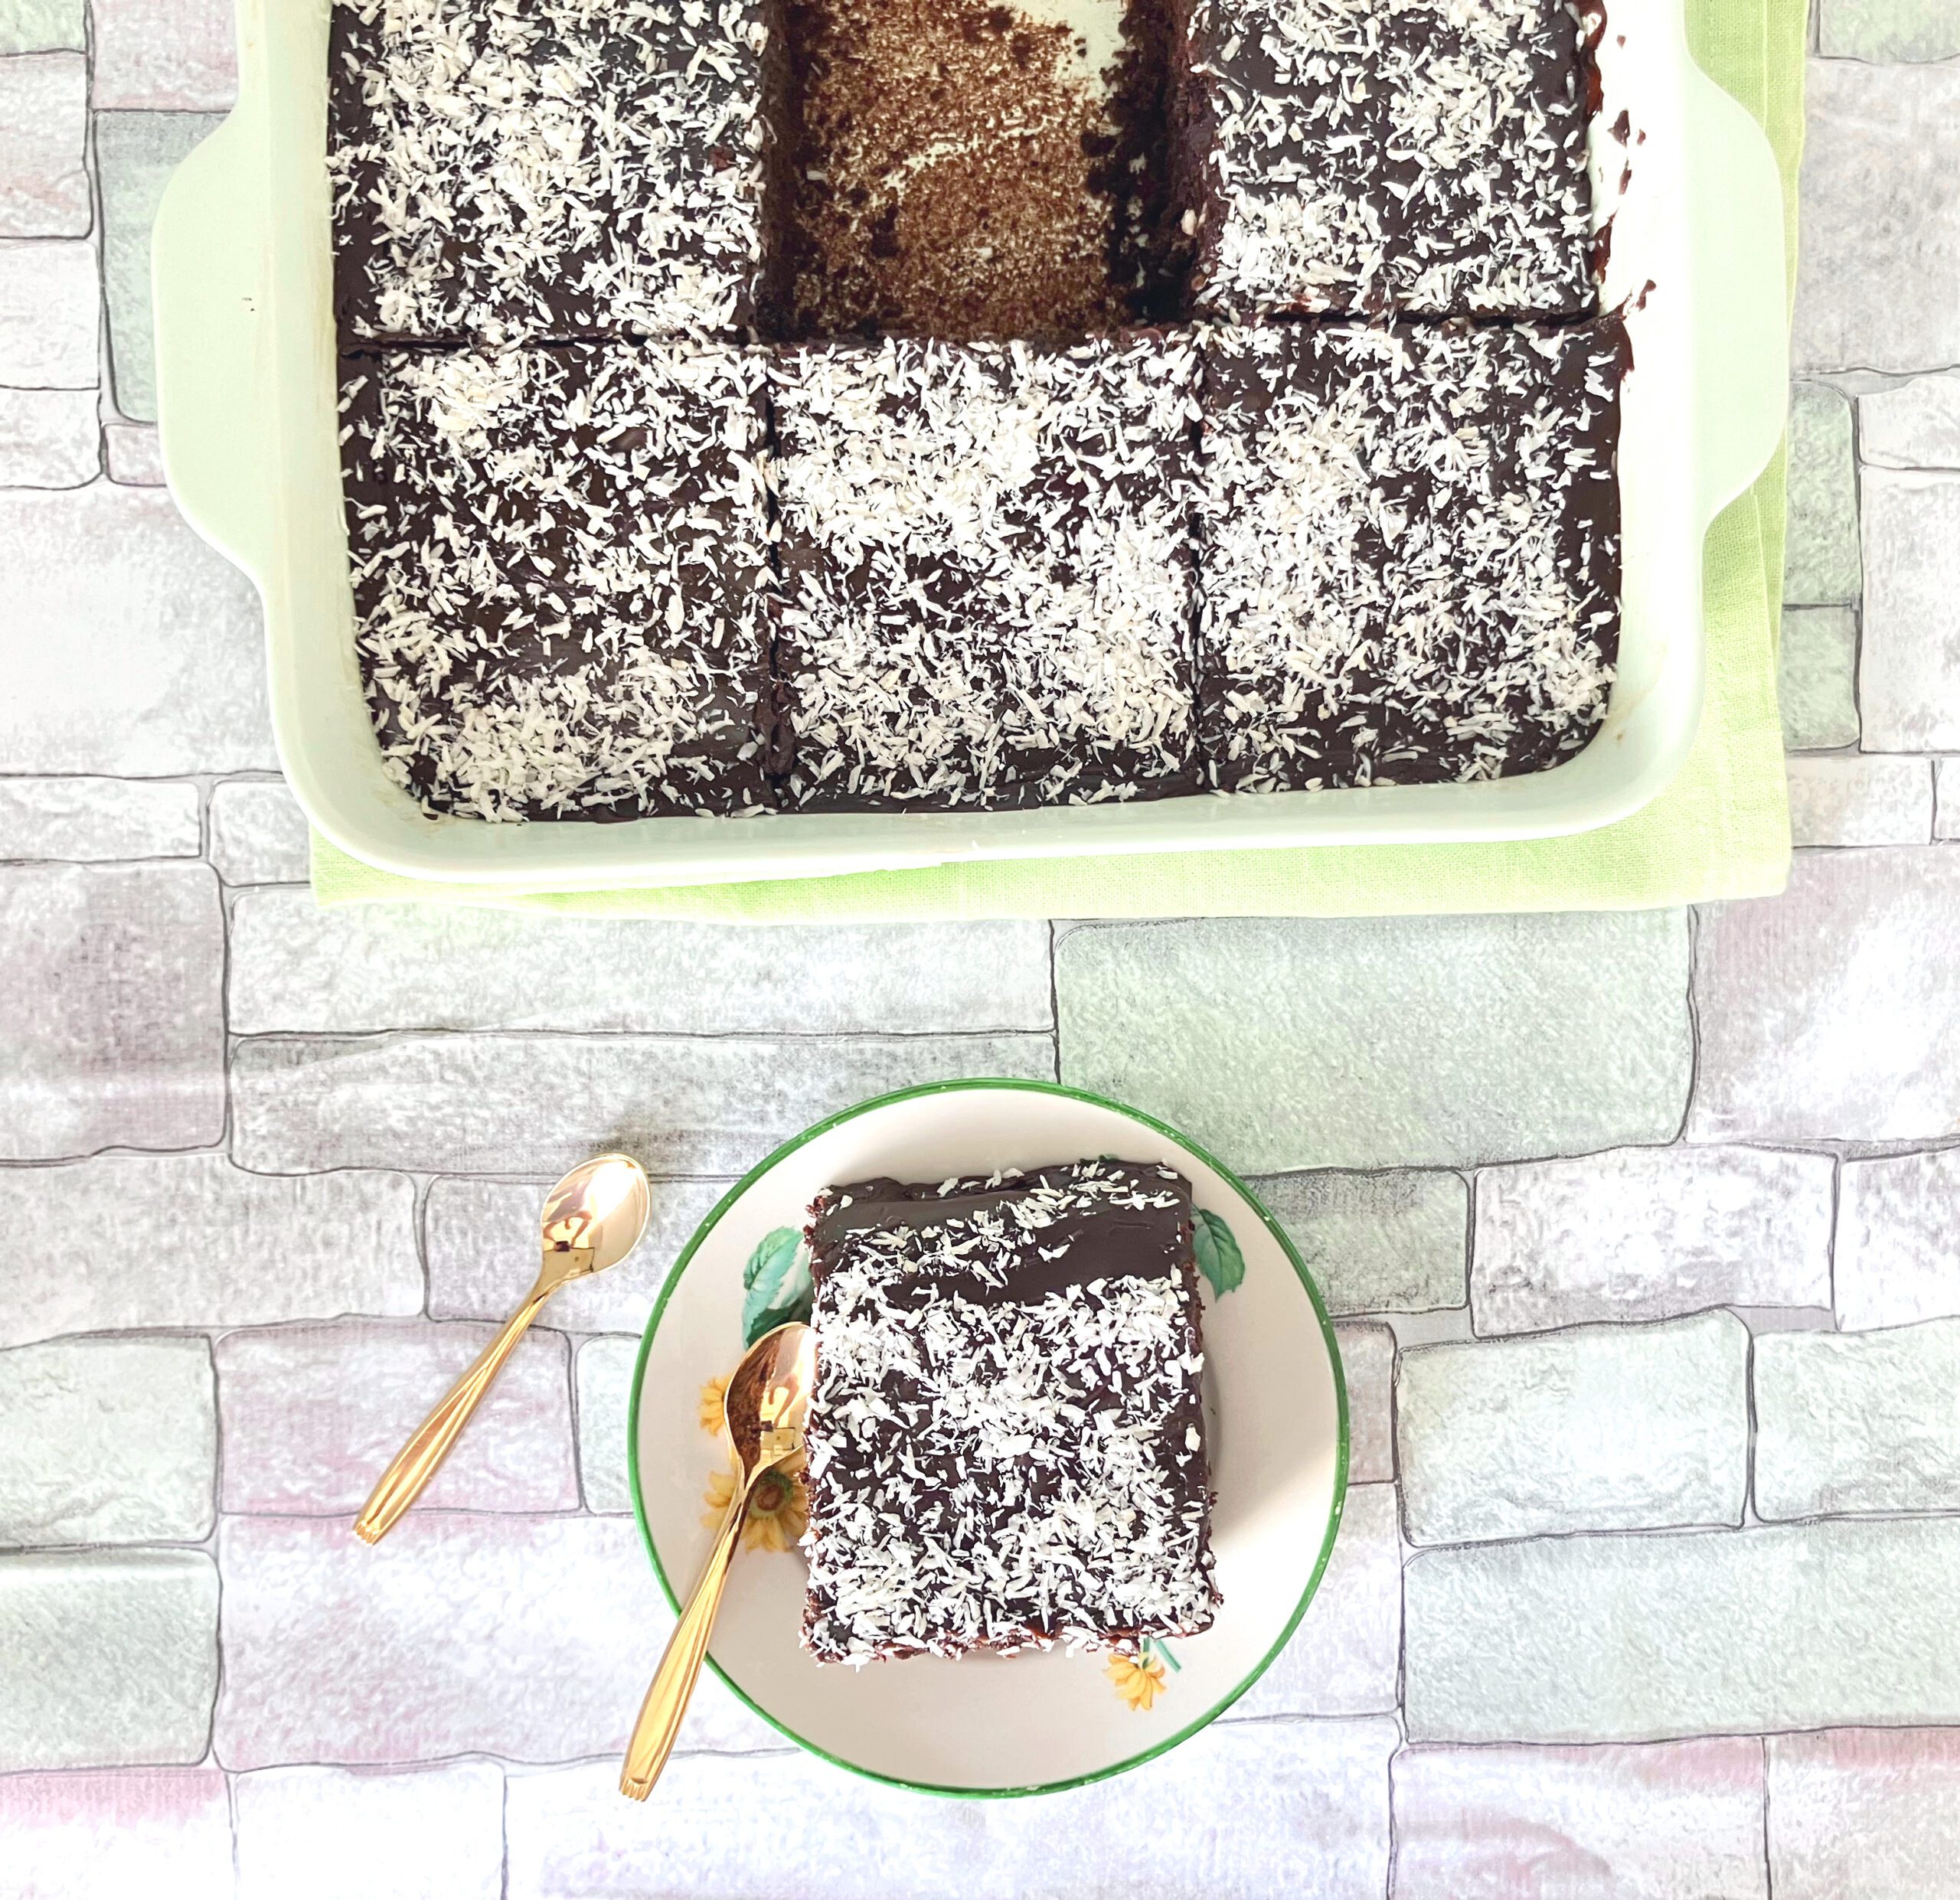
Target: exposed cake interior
[1007,1444]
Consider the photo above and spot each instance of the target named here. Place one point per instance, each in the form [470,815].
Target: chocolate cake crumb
[963,168]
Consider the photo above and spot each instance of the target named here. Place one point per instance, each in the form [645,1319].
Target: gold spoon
[592,1219]
[766,1405]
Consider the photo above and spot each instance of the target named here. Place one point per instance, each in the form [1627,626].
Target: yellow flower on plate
[1139,1680]
[778,1511]
[719,1495]
[713,1394]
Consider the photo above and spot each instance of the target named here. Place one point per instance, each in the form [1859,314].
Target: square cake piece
[1377,156]
[561,563]
[986,572]
[514,171]
[1409,552]
[1007,1439]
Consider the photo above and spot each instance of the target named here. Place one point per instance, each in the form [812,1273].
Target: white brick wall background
[1644,1230]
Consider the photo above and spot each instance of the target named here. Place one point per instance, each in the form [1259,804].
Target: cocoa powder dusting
[952,173]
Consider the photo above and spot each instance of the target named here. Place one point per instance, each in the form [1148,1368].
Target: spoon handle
[658,1726]
[418,1460]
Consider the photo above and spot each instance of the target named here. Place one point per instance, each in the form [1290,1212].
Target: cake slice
[1409,551]
[1006,1443]
[1382,156]
[561,561]
[986,572]
[514,170]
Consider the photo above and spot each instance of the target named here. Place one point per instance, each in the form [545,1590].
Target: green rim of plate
[809,1134]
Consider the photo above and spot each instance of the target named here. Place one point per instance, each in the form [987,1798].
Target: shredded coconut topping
[1410,562]
[1005,1445]
[560,557]
[986,568]
[1426,156]
[513,170]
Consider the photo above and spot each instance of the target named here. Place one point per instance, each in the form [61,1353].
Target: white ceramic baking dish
[245,347]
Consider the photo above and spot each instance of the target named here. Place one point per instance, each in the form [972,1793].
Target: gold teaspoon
[767,1404]
[592,1219]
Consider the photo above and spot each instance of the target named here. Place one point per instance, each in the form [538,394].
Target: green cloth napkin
[1720,830]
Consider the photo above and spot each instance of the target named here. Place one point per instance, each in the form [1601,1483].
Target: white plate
[243,263]
[1277,1411]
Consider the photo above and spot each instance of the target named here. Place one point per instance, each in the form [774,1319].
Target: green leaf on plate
[775,1284]
[1219,1259]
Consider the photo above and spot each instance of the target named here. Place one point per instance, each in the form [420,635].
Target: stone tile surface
[1829,1013]
[1858,1421]
[1668,1635]
[1675,1821]
[134,648]
[431,1834]
[1898,1255]
[1914,424]
[296,966]
[259,833]
[1641,1234]
[1376,1243]
[1345,1658]
[1908,674]
[50,315]
[48,438]
[482,1242]
[44,138]
[39,26]
[136,153]
[1817,672]
[313,1414]
[134,454]
[1310,1797]
[1821,563]
[313,1618]
[191,1241]
[1882,30]
[1880,265]
[489,1104]
[109,1008]
[165,55]
[111,1659]
[1946,798]
[1865,1814]
[605,1388]
[1604,1428]
[1367,1359]
[107,1441]
[1370,1043]
[1860,798]
[163,1832]
[83,821]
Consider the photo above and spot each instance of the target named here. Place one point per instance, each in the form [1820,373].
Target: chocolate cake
[1374,156]
[984,555]
[1006,1442]
[518,170]
[1409,558]
[560,558]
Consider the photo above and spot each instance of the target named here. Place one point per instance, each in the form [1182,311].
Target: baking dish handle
[207,279]
[1742,360]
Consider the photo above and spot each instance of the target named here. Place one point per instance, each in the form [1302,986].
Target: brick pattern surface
[1643,1231]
